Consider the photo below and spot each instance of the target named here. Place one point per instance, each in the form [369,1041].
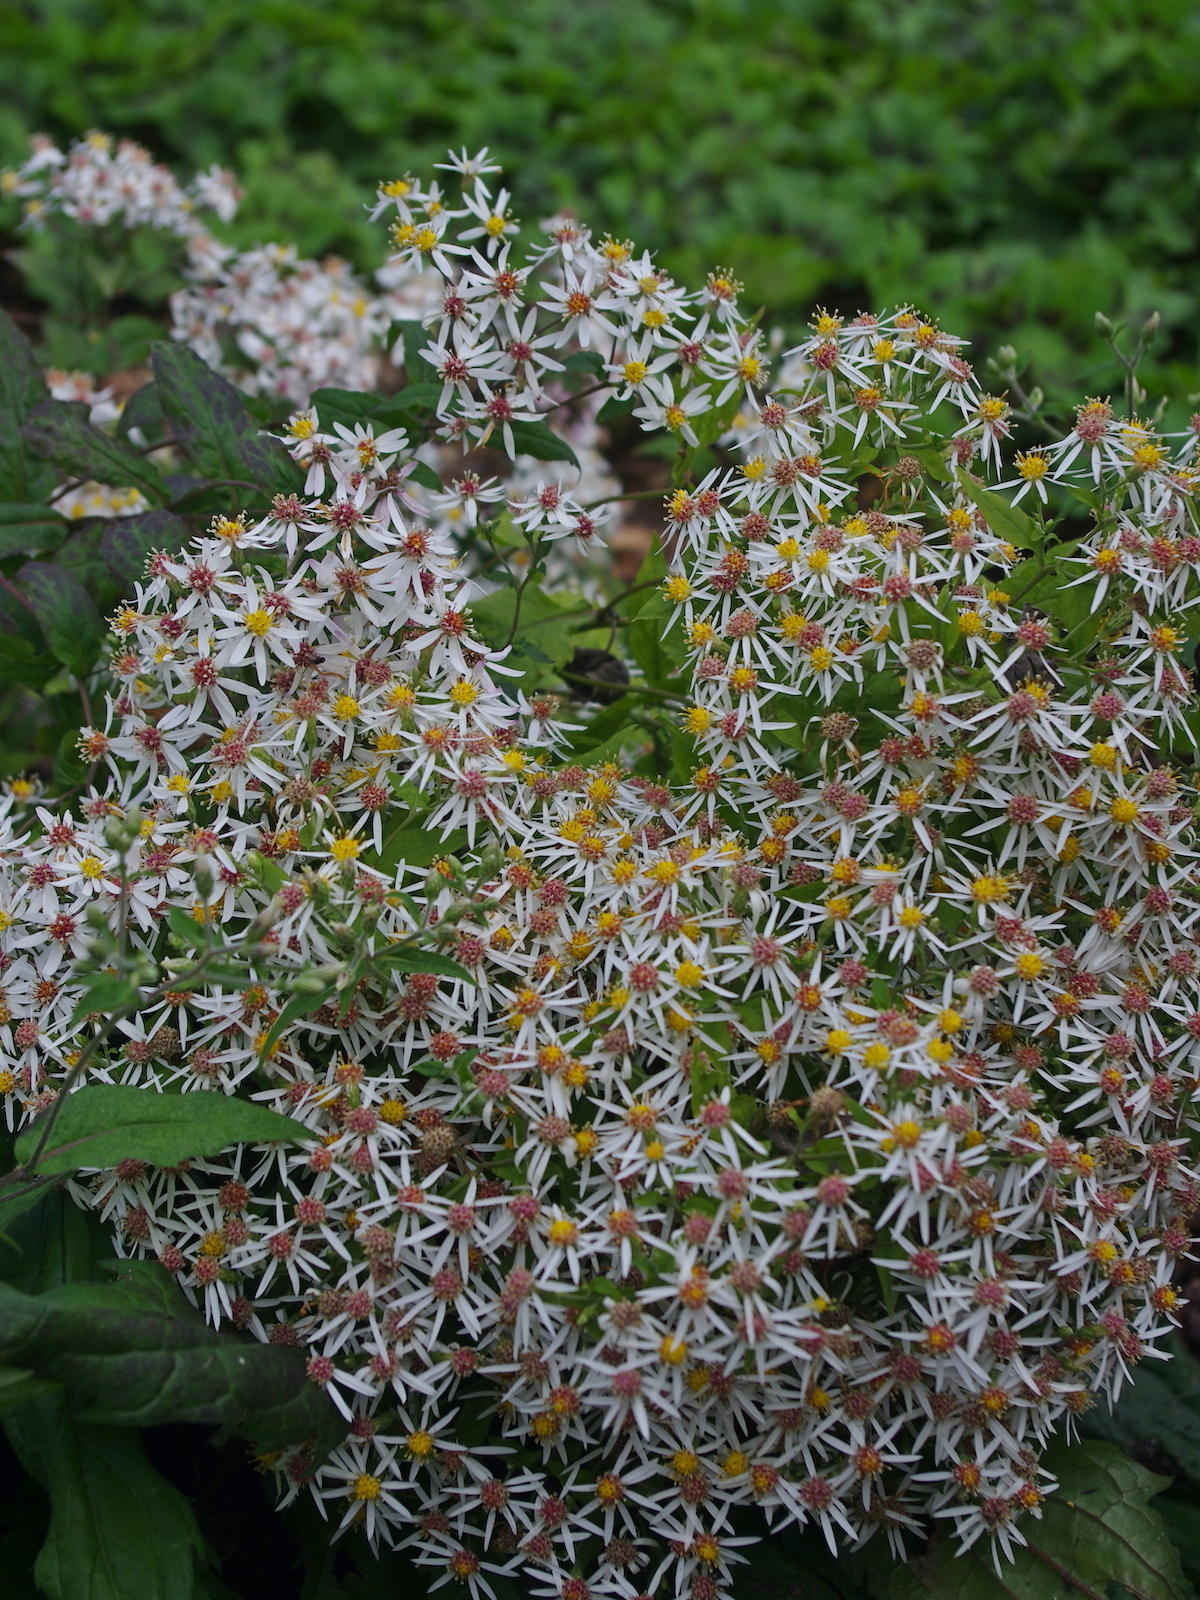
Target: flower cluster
[277,325]
[95,183]
[802,1124]
[281,326]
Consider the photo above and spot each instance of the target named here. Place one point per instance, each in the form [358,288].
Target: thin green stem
[520,595]
[633,494]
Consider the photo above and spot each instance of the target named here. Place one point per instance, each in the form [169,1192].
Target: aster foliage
[763,1083]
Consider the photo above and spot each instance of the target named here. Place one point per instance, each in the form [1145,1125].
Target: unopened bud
[316,979]
[202,875]
[263,922]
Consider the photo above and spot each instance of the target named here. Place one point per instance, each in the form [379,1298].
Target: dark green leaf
[710,425]
[18,1384]
[420,473]
[17,1200]
[117,1529]
[72,625]
[59,431]
[346,406]
[70,768]
[789,1565]
[652,571]
[416,847]
[504,533]
[30,529]
[134,1353]
[79,555]
[1163,1404]
[933,461]
[590,361]
[417,369]
[201,498]
[610,749]
[49,1242]
[128,543]
[211,424]
[1182,1523]
[541,625]
[142,410]
[603,725]
[539,440]
[613,409]
[432,1069]
[1097,1529]
[408,408]
[104,1123]
[23,476]
[190,933]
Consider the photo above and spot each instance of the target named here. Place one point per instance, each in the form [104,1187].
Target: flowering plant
[737,1031]
[106,227]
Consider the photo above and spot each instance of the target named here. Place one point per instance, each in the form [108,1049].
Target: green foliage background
[1010,165]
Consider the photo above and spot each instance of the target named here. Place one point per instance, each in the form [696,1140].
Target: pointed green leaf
[128,543]
[23,476]
[420,473]
[613,409]
[589,361]
[30,529]
[417,847]
[408,408]
[659,657]
[212,426]
[134,1353]
[72,625]
[411,958]
[300,1005]
[104,1123]
[1009,521]
[59,431]
[117,1528]
[142,410]
[18,1384]
[539,440]
[103,991]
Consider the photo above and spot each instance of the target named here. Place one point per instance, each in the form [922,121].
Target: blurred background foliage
[1011,166]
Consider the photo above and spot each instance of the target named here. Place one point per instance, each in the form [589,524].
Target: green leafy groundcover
[1016,166]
